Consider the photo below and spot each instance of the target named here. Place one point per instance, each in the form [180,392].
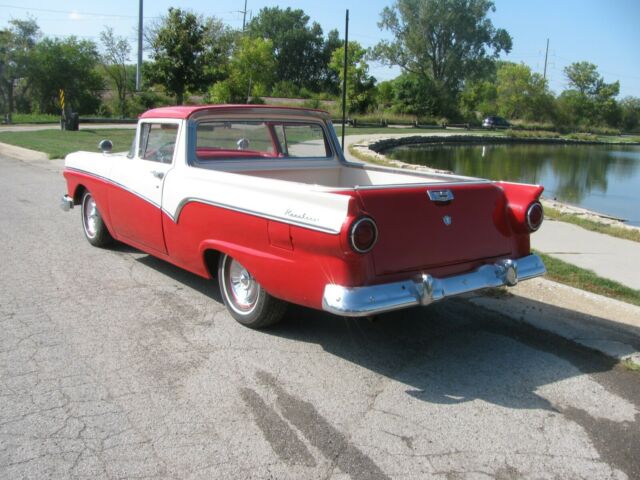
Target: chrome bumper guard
[375,299]
[66,203]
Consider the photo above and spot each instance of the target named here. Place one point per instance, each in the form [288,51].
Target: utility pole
[546,55]
[244,15]
[139,67]
[344,77]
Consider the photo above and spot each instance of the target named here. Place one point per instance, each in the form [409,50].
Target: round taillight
[363,235]
[535,215]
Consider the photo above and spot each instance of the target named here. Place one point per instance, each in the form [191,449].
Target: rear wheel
[94,228]
[245,298]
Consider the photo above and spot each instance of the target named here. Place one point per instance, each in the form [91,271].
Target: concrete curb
[599,323]
[21,153]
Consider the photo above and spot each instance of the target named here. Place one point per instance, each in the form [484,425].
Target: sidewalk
[609,257]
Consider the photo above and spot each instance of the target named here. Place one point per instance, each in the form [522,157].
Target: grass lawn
[58,143]
[563,272]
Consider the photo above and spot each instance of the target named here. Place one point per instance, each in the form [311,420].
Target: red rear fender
[519,198]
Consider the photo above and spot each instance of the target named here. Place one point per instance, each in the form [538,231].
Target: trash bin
[74,121]
[70,121]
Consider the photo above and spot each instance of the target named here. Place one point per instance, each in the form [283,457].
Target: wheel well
[77,195]
[211,258]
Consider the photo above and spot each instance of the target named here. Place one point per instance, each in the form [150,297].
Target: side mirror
[105,146]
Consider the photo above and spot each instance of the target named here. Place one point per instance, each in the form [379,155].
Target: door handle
[157,174]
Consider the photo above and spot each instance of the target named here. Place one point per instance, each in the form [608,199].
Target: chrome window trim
[194,161]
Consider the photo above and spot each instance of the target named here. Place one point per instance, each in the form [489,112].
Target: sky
[603,32]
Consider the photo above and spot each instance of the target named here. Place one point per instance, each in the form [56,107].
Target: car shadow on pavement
[454,352]
[203,285]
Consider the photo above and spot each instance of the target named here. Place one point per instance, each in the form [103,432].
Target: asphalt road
[116,365]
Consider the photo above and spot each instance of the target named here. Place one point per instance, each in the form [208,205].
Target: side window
[158,142]
[304,141]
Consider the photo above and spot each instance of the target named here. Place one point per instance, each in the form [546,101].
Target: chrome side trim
[375,299]
[286,220]
[66,203]
[112,182]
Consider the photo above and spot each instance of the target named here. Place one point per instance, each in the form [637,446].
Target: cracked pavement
[114,364]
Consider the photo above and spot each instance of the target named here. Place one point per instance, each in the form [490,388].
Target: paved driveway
[116,365]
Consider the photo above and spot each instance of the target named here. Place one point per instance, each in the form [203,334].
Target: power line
[67,12]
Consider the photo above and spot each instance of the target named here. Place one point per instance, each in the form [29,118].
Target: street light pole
[139,67]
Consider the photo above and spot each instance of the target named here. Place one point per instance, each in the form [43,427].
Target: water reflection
[602,178]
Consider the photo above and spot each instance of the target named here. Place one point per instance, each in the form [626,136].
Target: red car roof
[185,111]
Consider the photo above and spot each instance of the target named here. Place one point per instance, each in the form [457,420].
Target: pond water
[602,178]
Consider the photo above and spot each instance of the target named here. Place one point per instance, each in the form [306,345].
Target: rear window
[237,139]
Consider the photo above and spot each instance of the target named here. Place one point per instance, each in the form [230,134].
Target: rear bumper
[375,299]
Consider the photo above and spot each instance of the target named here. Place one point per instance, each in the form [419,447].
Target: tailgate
[418,233]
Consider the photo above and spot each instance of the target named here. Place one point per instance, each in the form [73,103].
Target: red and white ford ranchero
[264,198]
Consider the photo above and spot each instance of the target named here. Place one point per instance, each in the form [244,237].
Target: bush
[143,101]
[312,103]
[531,134]
[285,89]
[582,137]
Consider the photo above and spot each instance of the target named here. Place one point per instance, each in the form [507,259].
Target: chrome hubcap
[90,215]
[242,287]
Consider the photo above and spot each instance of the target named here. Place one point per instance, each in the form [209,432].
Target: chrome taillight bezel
[530,209]
[353,229]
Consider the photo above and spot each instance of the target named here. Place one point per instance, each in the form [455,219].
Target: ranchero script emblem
[447,220]
[301,216]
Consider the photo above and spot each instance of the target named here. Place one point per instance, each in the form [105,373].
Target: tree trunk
[179,98]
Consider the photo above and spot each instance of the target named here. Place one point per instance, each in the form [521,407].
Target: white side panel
[99,164]
[284,201]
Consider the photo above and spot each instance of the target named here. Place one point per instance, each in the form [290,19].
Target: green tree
[522,94]
[360,85]
[385,94]
[114,62]
[630,113]
[415,95]
[71,65]
[330,80]
[443,43]
[179,48]
[479,98]
[584,77]
[298,46]
[16,44]
[589,100]
[251,70]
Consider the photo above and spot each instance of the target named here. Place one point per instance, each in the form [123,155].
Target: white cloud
[75,15]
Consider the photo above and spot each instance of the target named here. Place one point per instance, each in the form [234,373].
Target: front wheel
[245,299]
[94,227]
